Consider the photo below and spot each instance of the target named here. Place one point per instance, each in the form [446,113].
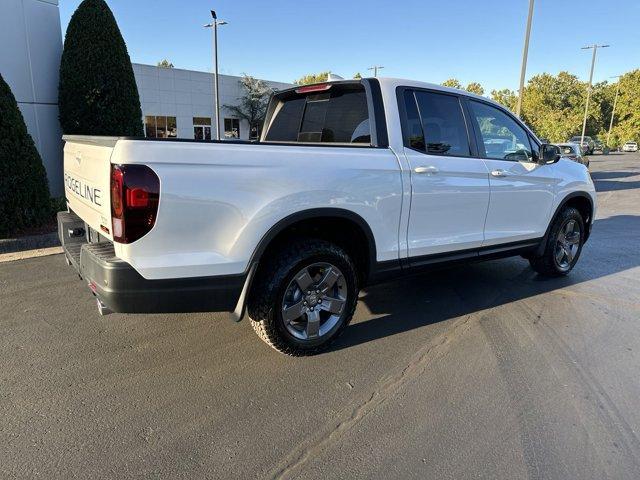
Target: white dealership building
[175,102]
[180,103]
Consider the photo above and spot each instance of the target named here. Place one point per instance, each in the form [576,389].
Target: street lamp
[586,107]
[215,25]
[613,112]
[375,69]
[525,53]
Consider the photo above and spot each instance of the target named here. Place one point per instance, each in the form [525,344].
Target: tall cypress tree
[24,192]
[98,93]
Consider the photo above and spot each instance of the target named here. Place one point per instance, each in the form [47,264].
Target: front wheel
[563,246]
[305,295]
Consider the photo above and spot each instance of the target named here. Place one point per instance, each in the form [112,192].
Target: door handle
[499,173]
[431,170]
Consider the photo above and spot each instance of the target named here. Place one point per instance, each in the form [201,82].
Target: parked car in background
[587,144]
[599,146]
[573,152]
[630,147]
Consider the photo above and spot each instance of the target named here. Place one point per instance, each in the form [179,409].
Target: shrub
[24,191]
[98,93]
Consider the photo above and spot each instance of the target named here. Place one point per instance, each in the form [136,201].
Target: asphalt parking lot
[486,371]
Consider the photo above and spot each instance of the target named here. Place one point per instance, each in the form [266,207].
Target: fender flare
[281,225]
[289,220]
[561,205]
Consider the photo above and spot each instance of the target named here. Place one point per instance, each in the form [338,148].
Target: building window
[231,128]
[202,128]
[160,127]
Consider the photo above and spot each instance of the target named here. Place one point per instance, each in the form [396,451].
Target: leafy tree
[165,64]
[553,105]
[475,87]
[253,103]
[452,83]
[98,93]
[626,126]
[357,76]
[313,78]
[505,97]
[24,192]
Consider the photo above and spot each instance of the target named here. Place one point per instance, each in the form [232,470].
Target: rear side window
[435,124]
[338,115]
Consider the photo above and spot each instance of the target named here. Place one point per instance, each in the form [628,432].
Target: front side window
[500,135]
[337,115]
[435,124]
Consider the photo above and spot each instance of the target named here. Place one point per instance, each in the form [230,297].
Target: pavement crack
[385,391]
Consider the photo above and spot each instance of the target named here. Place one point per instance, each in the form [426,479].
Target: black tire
[266,299]
[547,263]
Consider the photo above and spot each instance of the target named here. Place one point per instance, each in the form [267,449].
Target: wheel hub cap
[314,301]
[567,244]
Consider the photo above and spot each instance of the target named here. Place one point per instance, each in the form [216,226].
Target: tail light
[135,192]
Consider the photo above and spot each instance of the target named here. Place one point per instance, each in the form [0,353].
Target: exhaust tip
[102,308]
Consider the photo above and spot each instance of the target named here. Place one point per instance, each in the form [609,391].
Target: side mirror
[549,153]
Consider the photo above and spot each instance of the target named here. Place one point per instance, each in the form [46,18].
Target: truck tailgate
[87,179]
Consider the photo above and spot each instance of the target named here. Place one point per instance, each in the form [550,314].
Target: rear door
[522,191]
[449,187]
[87,178]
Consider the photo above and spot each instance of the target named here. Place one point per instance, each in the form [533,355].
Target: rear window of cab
[324,113]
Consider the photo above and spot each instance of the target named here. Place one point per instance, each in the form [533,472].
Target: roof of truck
[390,82]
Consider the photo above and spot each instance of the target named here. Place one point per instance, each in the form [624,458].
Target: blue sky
[430,40]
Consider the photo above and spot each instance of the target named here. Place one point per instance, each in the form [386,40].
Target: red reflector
[93,287]
[321,87]
[137,198]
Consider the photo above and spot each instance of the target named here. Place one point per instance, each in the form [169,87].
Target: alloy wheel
[567,244]
[314,301]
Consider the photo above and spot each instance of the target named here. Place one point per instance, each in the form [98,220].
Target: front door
[449,187]
[522,190]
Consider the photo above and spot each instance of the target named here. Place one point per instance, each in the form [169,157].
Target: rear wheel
[563,246]
[305,295]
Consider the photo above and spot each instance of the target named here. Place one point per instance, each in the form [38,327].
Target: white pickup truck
[351,183]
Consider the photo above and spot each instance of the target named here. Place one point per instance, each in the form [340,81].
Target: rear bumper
[122,289]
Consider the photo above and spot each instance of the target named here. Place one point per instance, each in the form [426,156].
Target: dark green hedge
[24,191]
[98,92]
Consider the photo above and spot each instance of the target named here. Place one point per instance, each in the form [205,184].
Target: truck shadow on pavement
[425,299]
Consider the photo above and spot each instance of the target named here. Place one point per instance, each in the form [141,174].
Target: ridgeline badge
[92,194]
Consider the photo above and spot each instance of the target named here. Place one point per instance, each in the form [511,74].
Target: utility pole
[586,107]
[216,99]
[525,53]
[613,112]
[375,69]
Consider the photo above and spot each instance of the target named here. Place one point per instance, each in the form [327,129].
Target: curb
[23,255]
[31,242]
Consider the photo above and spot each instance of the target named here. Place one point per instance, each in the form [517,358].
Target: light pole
[216,98]
[525,53]
[375,69]
[586,107]
[613,112]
